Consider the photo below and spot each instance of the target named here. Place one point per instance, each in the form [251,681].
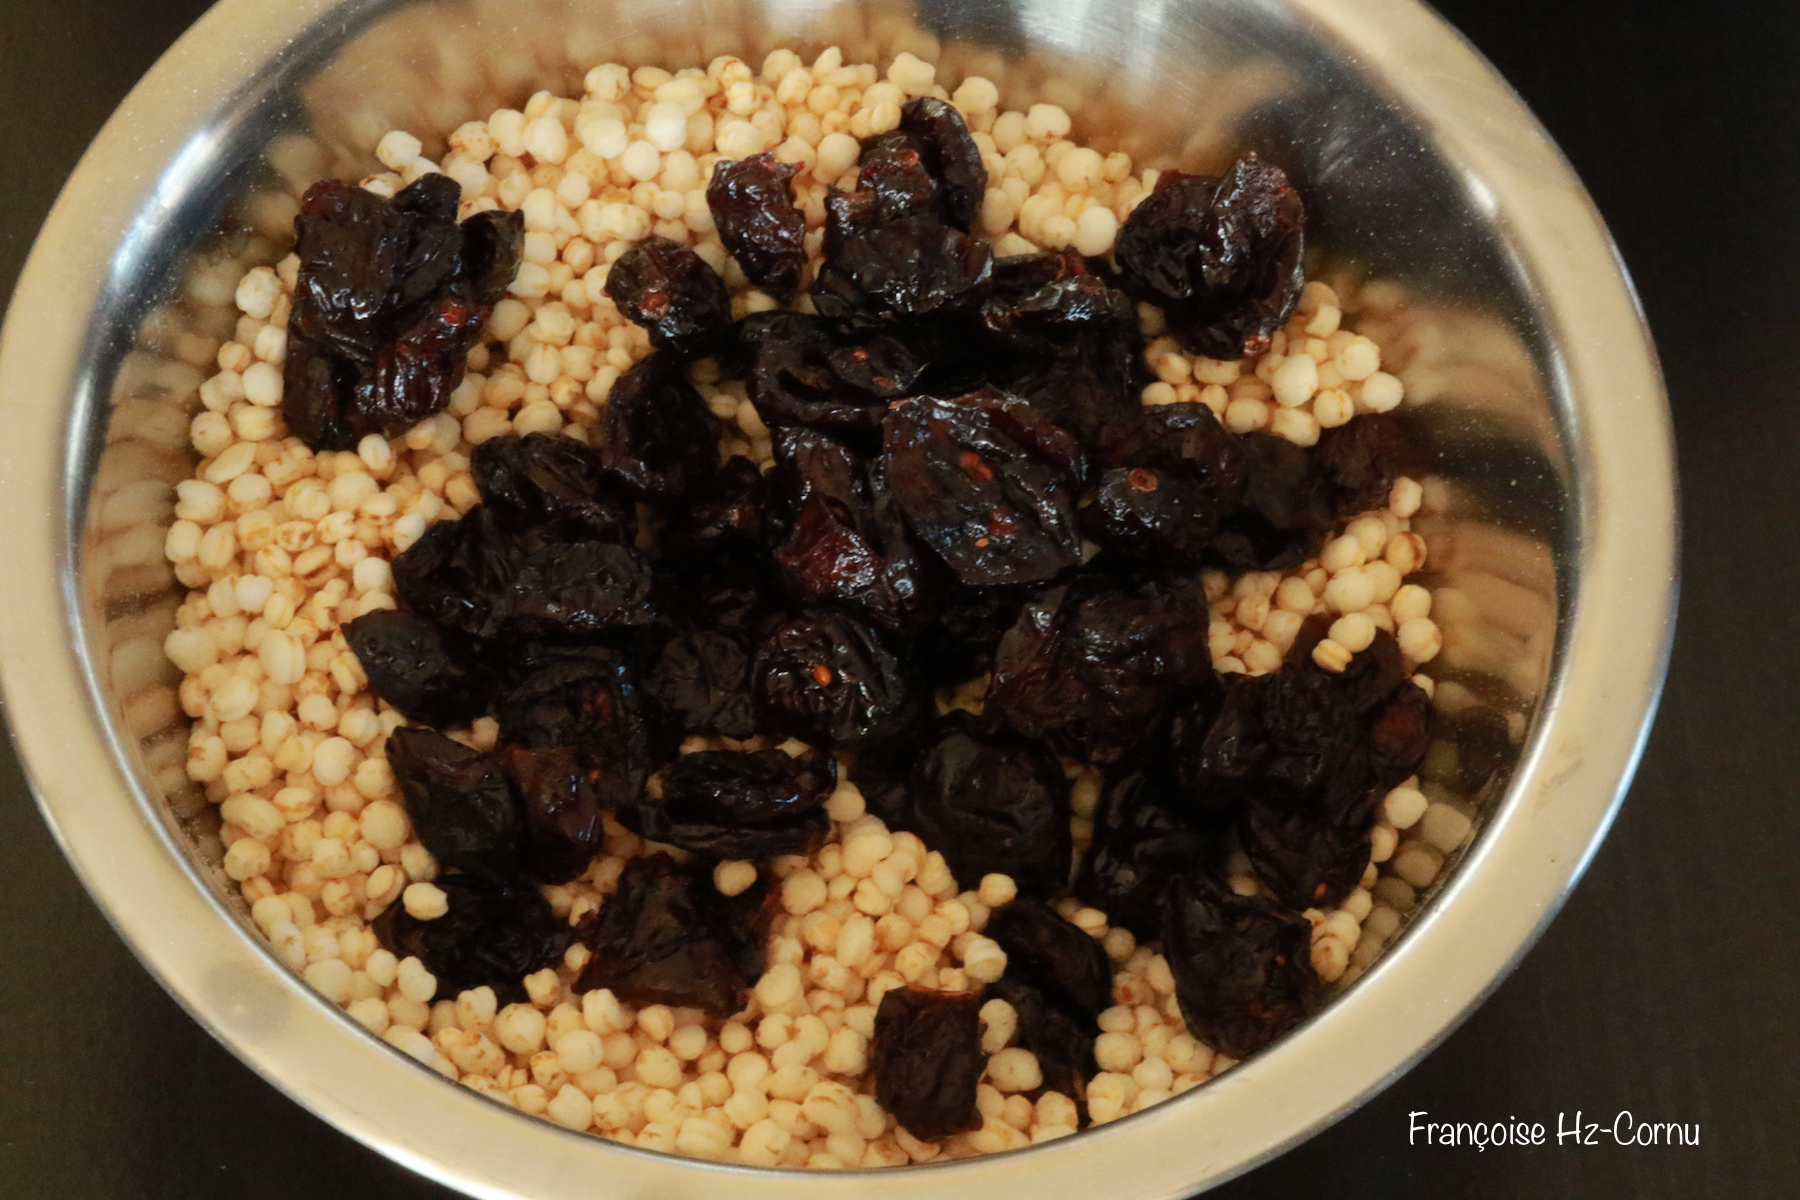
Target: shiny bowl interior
[1532,385]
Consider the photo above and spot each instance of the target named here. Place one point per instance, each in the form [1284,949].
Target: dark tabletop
[1663,988]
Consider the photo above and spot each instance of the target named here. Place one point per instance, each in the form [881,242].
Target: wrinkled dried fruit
[551,483]
[752,204]
[458,802]
[893,172]
[807,373]
[391,297]
[906,270]
[987,802]
[739,803]
[671,291]
[700,683]
[1286,511]
[574,743]
[958,644]
[668,937]
[1141,841]
[1054,956]
[1243,968]
[987,483]
[1092,671]
[578,588]
[826,679]
[1358,462]
[726,518]
[493,935]
[1062,1041]
[732,591]
[414,667]
[844,538]
[927,1060]
[950,154]
[1223,257]
[662,442]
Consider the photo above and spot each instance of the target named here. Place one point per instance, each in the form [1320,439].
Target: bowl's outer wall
[1533,389]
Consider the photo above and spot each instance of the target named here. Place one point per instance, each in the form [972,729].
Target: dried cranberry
[844,538]
[826,679]
[1286,511]
[412,665]
[987,802]
[1053,955]
[552,483]
[927,1060]
[662,441]
[752,204]
[1092,671]
[574,742]
[725,518]
[1243,968]
[1223,257]
[1061,1040]
[459,574]
[894,173]
[667,936]
[739,804]
[807,373]
[391,297]
[988,484]
[700,683]
[950,154]
[897,271]
[1141,841]
[1358,462]
[493,246]
[494,934]
[671,291]
[458,802]
[578,588]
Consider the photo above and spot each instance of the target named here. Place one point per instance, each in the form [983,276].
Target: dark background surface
[1667,985]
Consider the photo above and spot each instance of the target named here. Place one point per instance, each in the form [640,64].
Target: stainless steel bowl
[1533,388]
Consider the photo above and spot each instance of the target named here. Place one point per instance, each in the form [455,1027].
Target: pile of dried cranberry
[955,435]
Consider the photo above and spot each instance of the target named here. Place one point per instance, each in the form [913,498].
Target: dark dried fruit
[988,484]
[1358,462]
[493,935]
[662,442]
[1286,511]
[390,299]
[752,205]
[1243,969]
[1141,840]
[731,591]
[826,679]
[739,804]
[987,802]
[891,272]
[561,588]
[807,373]
[459,574]
[1062,1041]
[458,802]
[668,937]
[574,742]
[894,174]
[700,683]
[1092,672]
[950,154]
[959,642]
[1054,956]
[1223,257]
[670,290]
[493,246]
[727,518]
[551,483]
[845,540]
[927,1060]
[414,667]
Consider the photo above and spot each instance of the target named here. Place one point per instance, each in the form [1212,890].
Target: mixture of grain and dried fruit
[801,619]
